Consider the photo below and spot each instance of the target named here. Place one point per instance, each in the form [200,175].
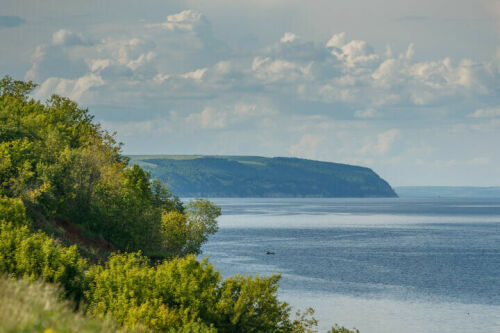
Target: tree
[64,167]
[184,234]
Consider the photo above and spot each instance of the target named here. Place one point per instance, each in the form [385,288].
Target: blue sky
[410,89]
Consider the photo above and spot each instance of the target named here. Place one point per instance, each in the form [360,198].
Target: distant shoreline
[211,176]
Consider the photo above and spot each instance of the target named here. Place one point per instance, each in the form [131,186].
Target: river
[381,265]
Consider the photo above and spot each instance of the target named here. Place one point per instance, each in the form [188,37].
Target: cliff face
[253,176]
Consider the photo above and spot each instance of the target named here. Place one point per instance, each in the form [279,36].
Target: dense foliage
[253,176]
[134,292]
[64,167]
[60,170]
[36,256]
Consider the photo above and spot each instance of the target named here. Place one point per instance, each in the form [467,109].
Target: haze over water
[381,265]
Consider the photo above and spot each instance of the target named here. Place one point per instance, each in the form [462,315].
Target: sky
[410,89]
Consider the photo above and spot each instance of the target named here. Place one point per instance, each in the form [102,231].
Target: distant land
[448,191]
[254,176]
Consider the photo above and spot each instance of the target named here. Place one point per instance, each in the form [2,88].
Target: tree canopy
[64,167]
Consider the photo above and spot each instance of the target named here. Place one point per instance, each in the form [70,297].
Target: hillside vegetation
[253,176]
[96,245]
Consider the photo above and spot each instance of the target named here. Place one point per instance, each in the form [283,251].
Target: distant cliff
[253,176]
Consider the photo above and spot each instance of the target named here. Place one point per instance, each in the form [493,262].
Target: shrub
[36,256]
[183,293]
[12,210]
[249,304]
[171,295]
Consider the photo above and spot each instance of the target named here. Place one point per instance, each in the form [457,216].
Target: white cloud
[270,71]
[357,53]
[368,113]
[130,129]
[410,52]
[54,61]
[486,113]
[65,37]
[383,144]
[187,21]
[73,89]
[195,75]
[337,40]
[187,29]
[288,37]
[490,125]
[209,118]
[245,110]
[388,73]
[180,58]
[479,161]
[453,163]
[225,116]
[307,146]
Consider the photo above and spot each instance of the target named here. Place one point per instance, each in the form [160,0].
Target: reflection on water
[379,264]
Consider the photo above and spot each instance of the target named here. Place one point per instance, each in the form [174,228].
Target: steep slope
[253,176]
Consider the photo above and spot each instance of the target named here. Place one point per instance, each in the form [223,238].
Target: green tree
[63,166]
[185,233]
[175,233]
[202,217]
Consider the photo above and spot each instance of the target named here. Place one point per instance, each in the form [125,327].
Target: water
[381,265]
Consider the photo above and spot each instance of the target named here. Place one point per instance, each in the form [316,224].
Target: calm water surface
[382,265]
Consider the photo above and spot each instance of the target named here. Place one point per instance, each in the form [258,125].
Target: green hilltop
[255,176]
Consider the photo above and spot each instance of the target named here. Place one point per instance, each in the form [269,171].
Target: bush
[171,295]
[12,210]
[250,305]
[36,256]
[183,293]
